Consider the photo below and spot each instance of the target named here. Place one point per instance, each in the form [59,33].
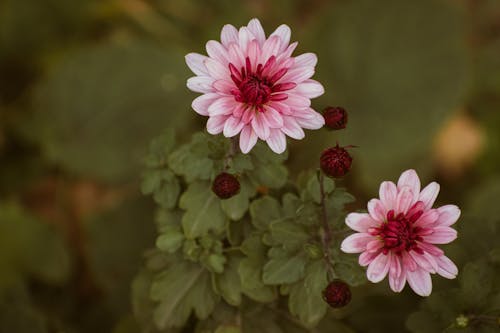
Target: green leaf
[236,207]
[190,165]
[181,289]
[160,147]
[284,270]
[289,234]
[476,281]
[313,188]
[241,163]
[250,272]
[291,204]
[170,241]
[167,194]
[215,262]
[203,211]
[270,175]
[305,300]
[228,329]
[263,211]
[228,283]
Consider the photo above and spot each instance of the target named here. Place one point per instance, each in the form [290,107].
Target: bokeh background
[85,85]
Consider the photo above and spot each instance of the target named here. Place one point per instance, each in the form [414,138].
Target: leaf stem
[327,231]
[233,150]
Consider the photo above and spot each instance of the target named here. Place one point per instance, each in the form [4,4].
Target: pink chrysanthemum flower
[398,234]
[253,86]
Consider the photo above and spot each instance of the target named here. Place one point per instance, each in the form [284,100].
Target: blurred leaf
[263,211]
[228,283]
[100,107]
[284,270]
[250,271]
[170,241]
[292,236]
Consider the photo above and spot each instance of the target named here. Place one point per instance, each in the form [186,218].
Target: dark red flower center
[399,232]
[258,85]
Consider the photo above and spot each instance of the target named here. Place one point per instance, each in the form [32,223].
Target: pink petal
[306,60]
[256,28]
[228,35]
[215,124]
[441,235]
[315,121]
[277,141]
[408,262]
[404,199]
[379,267]
[429,194]
[273,117]
[298,74]
[195,62]
[248,139]
[427,219]
[216,51]
[367,257]
[216,69]
[420,281]
[310,89]
[201,84]
[253,53]
[388,194]
[281,107]
[260,126]
[224,86]
[292,128]
[297,101]
[377,210]
[374,245]
[271,47]
[356,243]
[397,274]
[448,215]
[232,127]
[426,263]
[431,249]
[446,267]
[235,55]
[360,222]
[410,178]
[245,36]
[222,106]
[284,33]
[201,103]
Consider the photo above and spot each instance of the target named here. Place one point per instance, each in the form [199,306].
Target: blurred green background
[85,85]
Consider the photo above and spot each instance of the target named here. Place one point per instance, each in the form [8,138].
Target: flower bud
[335,161]
[335,117]
[225,185]
[337,294]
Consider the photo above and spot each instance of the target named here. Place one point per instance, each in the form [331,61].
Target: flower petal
[222,106]
[429,194]
[201,84]
[388,193]
[410,178]
[397,274]
[446,267]
[404,199]
[232,126]
[248,139]
[297,101]
[256,28]
[260,126]
[306,60]
[424,262]
[195,62]
[379,267]
[441,235]
[376,210]
[215,124]
[360,222]
[448,215]
[277,141]
[216,69]
[297,75]
[216,51]
[270,48]
[356,243]
[315,121]
[309,88]
[224,86]
[292,128]
[367,257]
[273,117]
[201,103]
[228,35]
[284,33]
[420,281]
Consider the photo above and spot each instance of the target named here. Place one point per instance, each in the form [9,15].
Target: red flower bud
[337,294]
[225,185]
[335,161]
[335,117]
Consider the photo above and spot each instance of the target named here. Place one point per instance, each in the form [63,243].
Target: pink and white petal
[215,125]
[410,178]
[248,139]
[228,35]
[424,262]
[309,88]
[217,51]
[431,249]
[375,245]
[297,101]
[201,103]
[245,37]
[297,75]
[356,243]
[429,194]
[260,126]
[253,53]
[441,235]
[273,118]
[388,193]
[408,262]
[446,267]
[277,141]
[306,60]
[315,121]
[216,69]
[404,200]
[379,267]
[377,210]
[248,115]
[420,281]
[235,55]
[367,257]
[201,84]
[284,33]
[224,86]
[427,219]
[281,107]
[232,126]
[292,128]
[397,275]
[360,222]
[289,50]
[195,62]
[270,48]
[256,28]
[448,215]
[222,106]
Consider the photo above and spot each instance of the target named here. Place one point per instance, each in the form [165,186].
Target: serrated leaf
[190,165]
[284,270]
[263,211]
[203,211]
[289,234]
[305,300]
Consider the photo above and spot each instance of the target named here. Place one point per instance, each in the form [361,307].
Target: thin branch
[233,150]
[327,231]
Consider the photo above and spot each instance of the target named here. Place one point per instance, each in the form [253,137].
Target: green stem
[327,231]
